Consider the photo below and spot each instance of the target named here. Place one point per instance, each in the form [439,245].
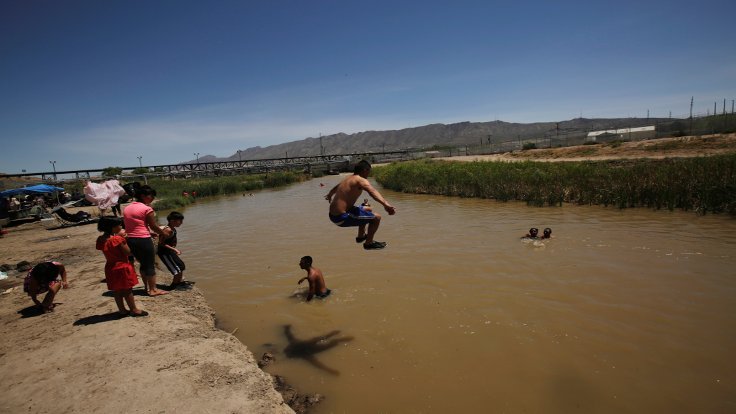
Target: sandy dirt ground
[81,358]
[695,146]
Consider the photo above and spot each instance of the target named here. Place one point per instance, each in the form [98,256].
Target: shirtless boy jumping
[344,212]
[315,278]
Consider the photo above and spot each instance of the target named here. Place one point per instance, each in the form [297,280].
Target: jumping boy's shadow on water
[306,349]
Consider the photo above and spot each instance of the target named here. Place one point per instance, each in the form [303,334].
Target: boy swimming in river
[533,234]
[315,278]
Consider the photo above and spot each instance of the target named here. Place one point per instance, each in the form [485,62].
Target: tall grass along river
[702,184]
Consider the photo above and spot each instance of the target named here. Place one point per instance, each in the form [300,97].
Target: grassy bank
[169,193]
[702,184]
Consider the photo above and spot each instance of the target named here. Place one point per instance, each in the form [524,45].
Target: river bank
[81,358]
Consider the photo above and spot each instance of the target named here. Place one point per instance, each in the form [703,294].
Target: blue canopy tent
[27,213]
[34,189]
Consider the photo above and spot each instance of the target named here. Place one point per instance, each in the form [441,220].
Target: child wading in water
[169,254]
[119,273]
[315,278]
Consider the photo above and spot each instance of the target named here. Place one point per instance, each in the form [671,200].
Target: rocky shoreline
[83,358]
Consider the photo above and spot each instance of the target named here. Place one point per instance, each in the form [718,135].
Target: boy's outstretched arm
[378,197]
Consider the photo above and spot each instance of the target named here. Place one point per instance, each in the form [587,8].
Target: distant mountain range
[454,135]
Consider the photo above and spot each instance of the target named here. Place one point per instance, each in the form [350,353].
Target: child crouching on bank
[45,277]
[169,254]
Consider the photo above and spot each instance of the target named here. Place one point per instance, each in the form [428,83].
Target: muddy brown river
[623,311]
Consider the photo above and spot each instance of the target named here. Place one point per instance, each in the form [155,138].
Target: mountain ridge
[436,134]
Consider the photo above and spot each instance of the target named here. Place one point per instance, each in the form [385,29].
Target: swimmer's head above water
[547,233]
[533,232]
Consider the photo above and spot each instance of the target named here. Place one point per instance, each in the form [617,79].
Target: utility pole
[557,134]
[725,118]
[53,165]
[321,147]
[140,164]
[196,154]
[239,159]
[692,98]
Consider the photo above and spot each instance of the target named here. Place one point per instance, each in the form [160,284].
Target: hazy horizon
[88,84]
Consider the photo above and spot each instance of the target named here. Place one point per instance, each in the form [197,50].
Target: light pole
[53,165]
[239,159]
[196,154]
[140,164]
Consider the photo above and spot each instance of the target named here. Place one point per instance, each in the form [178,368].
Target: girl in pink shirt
[140,220]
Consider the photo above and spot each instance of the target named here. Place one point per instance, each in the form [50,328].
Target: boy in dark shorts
[344,212]
[168,253]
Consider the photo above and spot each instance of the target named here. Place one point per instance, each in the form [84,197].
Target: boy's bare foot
[139,314]
[374,245]
[157,292]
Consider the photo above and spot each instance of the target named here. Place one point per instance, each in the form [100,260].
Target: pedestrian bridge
[309,163]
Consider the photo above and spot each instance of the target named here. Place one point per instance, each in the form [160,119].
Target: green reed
[169,192]
[702,184]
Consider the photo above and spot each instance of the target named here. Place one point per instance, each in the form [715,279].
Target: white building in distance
[624,134]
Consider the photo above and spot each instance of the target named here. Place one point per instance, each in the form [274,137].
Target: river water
[623,311]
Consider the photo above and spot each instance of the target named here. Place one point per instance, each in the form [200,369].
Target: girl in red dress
[119,273]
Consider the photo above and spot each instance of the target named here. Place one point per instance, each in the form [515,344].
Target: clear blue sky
[98,83]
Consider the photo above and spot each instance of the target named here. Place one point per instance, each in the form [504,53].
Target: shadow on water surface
[306,349]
